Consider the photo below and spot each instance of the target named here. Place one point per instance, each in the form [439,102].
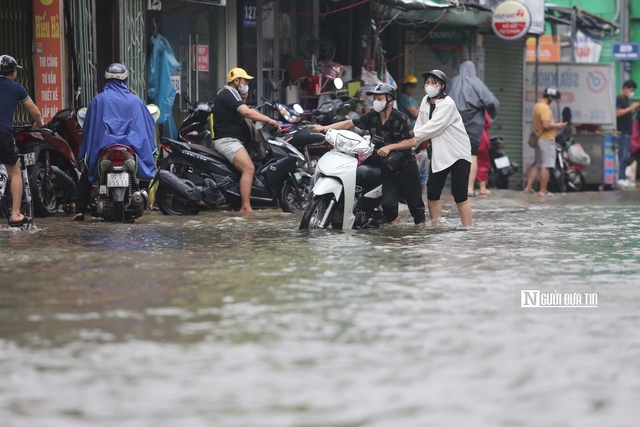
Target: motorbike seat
[306,137]
[204,150]
[368,176]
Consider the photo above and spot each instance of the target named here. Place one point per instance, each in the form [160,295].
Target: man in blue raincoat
[115,116]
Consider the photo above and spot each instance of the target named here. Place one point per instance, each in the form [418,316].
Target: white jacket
[446,131]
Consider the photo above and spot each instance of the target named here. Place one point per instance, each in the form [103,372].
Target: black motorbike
[192,177]
[570,163]
[196,127]
[501,166]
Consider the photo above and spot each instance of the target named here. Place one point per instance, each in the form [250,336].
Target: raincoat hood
[116,116]
[472,97]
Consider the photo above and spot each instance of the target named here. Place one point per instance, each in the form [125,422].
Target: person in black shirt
[13,93]
[230,129]
[624,113]
[387,122]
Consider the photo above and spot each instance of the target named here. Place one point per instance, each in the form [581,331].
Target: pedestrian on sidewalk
[546,128]
[624,121]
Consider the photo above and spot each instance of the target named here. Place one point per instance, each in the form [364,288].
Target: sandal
[78,217]
[474,194]
[25,220]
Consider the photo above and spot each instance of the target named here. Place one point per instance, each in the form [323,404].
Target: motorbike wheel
[289,199]
[558,177]
[576,181]
[171,203]
[314,213]
[119,212]
[45,201]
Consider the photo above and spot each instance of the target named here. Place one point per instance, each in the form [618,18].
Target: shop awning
[418,13]
[591,25]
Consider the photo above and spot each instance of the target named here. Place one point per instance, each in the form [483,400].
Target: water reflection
[229,320]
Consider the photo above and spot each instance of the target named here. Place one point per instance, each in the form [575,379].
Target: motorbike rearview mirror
[82,113]
[338,83]
[273,85]
[154,110]
[298,109]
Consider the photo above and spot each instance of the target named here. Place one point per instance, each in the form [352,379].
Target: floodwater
[237,320]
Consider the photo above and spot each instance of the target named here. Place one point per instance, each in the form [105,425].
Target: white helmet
[116,71]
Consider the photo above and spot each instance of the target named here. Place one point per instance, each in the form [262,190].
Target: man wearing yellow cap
[407,104]
[231,131]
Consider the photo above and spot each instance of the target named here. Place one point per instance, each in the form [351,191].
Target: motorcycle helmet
[383,89]
[551,92]
[7,64]
[116,71]
[410,79]
[438,75]
[237,73]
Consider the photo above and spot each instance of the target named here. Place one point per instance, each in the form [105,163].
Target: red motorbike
[50,156]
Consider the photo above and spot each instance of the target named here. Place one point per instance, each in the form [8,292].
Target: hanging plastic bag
[162,65]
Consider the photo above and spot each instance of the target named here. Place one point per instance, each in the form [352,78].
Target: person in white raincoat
[440,123]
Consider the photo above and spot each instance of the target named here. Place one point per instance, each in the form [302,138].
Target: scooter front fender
[325,185]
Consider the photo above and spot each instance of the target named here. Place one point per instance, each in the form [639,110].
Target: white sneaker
[625,183]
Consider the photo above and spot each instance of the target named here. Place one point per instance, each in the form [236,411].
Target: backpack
[255,144]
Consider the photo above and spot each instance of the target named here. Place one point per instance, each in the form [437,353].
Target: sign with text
[249,14]
[511,20]
[202,55]
[548,49]
[49,81]
[626,51]
[588,90]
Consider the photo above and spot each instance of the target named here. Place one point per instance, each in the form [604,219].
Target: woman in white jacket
[440,123]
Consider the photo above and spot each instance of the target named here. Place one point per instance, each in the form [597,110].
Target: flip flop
[472,194]
[25,220]
[78,217]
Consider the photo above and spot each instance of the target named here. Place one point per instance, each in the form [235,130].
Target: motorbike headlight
[287,115]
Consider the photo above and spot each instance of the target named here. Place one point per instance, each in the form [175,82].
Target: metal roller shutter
[503,75]
[132,45]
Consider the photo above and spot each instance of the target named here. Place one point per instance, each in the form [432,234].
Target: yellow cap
[237,73]
[410,79]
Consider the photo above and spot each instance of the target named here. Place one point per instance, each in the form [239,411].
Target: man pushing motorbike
[395,130]
[230,129]
[115,116]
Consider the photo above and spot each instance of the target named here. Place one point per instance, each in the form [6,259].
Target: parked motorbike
[570,162]
[501,166]
[50,157]
[197,126]
[191,177]
[118,194]
[26,206]
[345,195]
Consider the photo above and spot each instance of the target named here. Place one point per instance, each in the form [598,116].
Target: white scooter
[345,195]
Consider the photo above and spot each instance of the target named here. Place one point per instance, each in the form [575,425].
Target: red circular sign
[511,20]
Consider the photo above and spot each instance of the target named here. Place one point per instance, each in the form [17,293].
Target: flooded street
[232,320]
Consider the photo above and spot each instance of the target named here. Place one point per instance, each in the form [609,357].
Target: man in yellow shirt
[546,129]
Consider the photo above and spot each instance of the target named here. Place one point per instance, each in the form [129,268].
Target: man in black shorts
[230,129]
[12,94]
[392,125]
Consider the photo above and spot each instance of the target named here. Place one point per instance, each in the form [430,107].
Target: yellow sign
[548,49]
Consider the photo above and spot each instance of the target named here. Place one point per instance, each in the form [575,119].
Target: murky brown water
[229,320]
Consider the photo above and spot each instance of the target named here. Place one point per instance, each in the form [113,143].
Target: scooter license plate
[502,162]
[118,180]
[29,159]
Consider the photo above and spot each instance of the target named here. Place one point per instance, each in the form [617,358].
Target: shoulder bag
[533,139]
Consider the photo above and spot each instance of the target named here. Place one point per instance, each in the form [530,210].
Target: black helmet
[116,71]
[8,64]
[383,89]
[437,74]
[551,92]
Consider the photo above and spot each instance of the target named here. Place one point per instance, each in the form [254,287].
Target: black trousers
[405,183]
[459,181]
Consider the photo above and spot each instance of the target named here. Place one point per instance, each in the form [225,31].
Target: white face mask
[431,91]
[632,94]
[243,89]
[379,106]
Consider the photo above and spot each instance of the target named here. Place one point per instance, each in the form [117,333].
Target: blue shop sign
[249,12]
[626,51]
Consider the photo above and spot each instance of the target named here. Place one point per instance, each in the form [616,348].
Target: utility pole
[625,66]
